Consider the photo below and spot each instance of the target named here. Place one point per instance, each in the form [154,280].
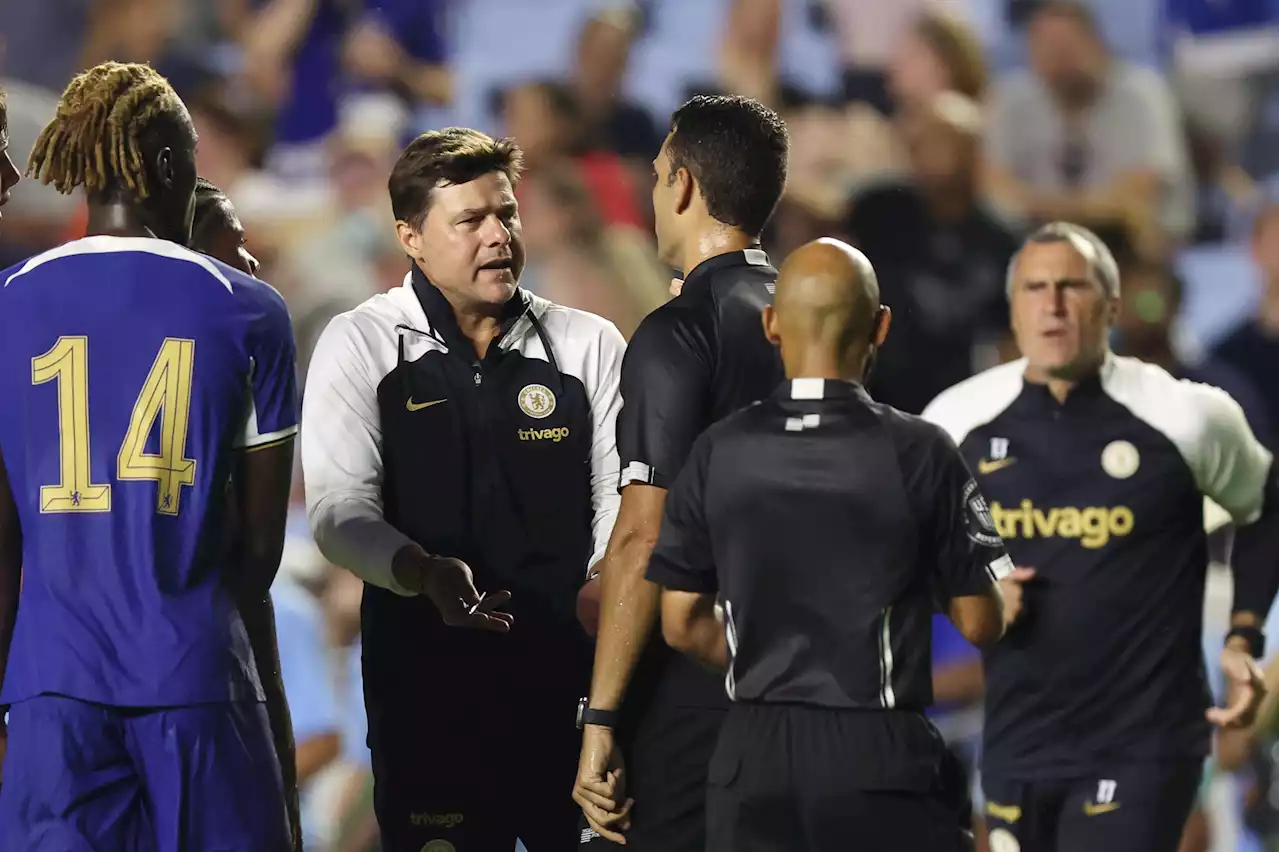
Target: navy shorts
[1128,807]
[81,777]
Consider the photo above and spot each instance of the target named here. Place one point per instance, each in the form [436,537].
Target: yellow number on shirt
[68,363]
[165,395]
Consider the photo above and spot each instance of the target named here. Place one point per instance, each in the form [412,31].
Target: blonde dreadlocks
[95,139]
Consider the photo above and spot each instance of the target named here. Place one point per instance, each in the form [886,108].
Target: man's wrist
[592,716]
[1248,639]
[410,567]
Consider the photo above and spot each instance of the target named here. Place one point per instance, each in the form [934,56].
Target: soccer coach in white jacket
[458,434]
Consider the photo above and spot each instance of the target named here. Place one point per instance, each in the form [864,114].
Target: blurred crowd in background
[930,133]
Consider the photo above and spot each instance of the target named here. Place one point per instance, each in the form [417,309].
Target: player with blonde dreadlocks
[8,174]
[123,135]
[146,458]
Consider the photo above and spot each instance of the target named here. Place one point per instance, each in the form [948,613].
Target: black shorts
[1121,809]
[468,757]
[803,778]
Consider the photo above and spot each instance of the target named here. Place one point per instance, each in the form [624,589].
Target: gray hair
[1101,263]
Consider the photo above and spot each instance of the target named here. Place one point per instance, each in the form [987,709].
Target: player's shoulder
[1176,406]
[917,440]
[977,400]
[671,332]
[157,252]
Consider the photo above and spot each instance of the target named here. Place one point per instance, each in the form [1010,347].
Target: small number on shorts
[1106,792]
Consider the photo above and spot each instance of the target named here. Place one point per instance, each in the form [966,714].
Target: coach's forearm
[351,533]
[1254,562]
[628,614]
[259,619]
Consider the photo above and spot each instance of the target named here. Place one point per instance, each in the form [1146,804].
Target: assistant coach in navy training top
[456,426]
[1097,712]
[829,526]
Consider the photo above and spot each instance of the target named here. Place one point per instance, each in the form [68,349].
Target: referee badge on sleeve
[982,528]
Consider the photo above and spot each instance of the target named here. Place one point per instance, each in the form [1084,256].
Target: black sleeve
[682,559]
[666,379]
[969,554]
[1253,558]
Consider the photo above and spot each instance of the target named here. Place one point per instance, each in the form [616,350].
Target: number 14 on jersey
[166,395]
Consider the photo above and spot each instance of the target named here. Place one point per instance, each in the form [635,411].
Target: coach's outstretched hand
[1245,690]
[450,586]
[600,789]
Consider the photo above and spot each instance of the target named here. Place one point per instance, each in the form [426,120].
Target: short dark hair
[736,150]
[959,50]
[443,158]
[209,206]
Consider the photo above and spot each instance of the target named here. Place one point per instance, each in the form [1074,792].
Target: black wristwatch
[1256,638]
[589,716]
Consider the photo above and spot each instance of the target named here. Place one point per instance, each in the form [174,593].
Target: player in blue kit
[145,460]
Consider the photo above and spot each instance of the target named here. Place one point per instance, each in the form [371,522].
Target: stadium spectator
[578,259]
[545,119]
[940,254]
[401,45]
[9,175]
[1087,137]
[836,151]
[1252,348]
[610,120]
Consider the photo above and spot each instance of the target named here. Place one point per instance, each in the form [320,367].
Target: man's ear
[769,319]
[683,189]
[410,240]
[882,324]
[164,168]
[1113,311]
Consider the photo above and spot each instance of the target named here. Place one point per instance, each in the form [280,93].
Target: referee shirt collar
[800,389]
[751,256]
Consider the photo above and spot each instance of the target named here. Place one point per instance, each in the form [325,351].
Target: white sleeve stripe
[636,472]
[258,440]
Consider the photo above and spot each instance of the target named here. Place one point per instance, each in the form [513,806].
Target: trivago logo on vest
[555,433]
[1093,525]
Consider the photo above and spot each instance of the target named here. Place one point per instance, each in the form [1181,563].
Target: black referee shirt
[830,525]
[696,359]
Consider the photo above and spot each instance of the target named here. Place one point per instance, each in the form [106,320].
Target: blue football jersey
[130,371]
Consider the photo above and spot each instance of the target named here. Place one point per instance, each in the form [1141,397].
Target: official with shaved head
[804,548]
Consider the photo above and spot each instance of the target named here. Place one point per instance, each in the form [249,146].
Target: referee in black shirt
[827,525]
[696,359]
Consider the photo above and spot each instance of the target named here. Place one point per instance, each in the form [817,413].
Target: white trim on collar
[807,388]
